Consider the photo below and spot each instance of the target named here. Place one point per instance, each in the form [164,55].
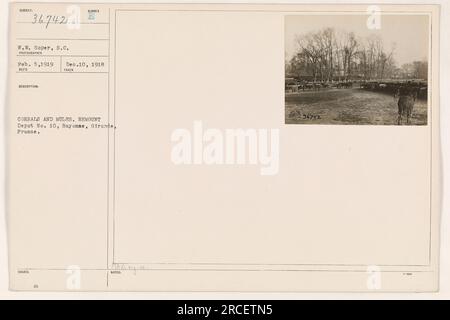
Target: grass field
[348,106]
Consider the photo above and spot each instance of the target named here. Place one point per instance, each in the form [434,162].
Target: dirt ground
[348,106]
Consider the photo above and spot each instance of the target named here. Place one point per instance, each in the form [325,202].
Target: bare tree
[328,55]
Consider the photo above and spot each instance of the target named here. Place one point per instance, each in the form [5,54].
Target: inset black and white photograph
[357,69]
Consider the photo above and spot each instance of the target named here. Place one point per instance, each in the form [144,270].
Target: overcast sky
[409,32]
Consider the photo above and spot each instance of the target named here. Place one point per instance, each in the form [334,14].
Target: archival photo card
[223,148]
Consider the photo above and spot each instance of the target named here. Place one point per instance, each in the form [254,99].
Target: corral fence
[383,86]
[293,86]
[392,87]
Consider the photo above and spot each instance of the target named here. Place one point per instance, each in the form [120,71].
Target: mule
[407,98]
